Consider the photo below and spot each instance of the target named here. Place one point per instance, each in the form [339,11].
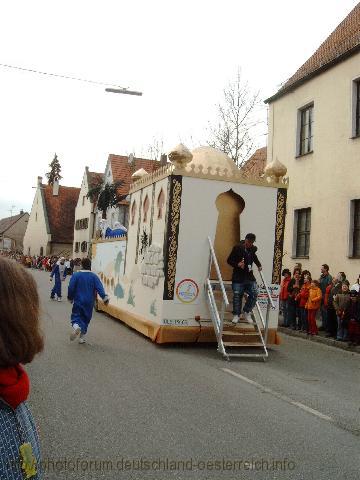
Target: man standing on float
[242,258]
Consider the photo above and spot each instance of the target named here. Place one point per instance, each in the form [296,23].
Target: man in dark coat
[242,258]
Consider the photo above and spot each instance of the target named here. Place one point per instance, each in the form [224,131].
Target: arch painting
[230,206]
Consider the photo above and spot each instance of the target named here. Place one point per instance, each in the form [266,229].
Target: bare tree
[237,118]
[155,149]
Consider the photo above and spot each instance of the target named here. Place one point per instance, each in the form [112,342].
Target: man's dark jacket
[243,275]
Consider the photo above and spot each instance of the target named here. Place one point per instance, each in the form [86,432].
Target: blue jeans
[294,313]
[342,332]
[324,316]
[239,289]
[285,311]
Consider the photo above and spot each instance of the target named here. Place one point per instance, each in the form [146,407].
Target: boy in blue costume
[59,271]
[83,287]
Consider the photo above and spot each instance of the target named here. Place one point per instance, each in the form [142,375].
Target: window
[81,224]
[356,132]
[83,200]
[83,246]
[133,212]
[160,202]
[36,217]
[77,245]
[355,234]
[303,226]
[146,208]
[306,130]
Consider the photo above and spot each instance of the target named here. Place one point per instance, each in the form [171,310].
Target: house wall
[36,235]
[17,231]
[327,179]
[84,209]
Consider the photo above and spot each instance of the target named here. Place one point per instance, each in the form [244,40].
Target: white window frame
[298,129]
[354,87]
[295,231]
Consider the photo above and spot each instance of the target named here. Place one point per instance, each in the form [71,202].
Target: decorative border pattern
[172,234]
[152,212]
[138,228]
[279,234]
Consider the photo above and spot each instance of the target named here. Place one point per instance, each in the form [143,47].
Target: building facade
[314,130]
[120,168]
[85,215]
[12,231]
[50,229]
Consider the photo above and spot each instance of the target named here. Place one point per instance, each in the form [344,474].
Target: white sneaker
[235,319]
[82,340]
[59,299]
[247,317]
[76,332]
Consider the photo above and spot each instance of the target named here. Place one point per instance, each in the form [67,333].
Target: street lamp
[123,90]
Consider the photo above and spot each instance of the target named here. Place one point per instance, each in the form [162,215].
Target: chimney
[163,159]
[131,161]
[21,212]
[56,188]
[39,181]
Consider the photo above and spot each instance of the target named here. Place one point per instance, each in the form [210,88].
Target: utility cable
[61,76]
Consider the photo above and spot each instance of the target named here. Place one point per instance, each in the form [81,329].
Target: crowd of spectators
[331,300]
[39,262]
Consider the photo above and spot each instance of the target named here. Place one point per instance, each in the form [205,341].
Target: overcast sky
[180,54]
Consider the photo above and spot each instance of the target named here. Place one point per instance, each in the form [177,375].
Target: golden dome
[211,157]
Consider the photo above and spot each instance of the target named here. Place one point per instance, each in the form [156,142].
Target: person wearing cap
[59,272]
[242,258]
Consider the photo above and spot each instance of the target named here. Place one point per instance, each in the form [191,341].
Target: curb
[319,339]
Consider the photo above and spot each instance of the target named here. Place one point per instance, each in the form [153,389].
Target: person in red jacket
[284,295]
[302,298]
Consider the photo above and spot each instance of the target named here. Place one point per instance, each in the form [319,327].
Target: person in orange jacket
[302,298]
[312,305]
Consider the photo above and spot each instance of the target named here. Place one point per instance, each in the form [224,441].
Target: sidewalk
[320,338]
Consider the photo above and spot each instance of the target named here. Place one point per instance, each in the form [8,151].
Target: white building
[121,168]
[314,130]
[50,229]
[85,215]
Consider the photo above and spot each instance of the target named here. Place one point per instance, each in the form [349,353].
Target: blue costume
[59,271]
[82,291]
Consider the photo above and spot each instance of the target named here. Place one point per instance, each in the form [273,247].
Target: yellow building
[314,130]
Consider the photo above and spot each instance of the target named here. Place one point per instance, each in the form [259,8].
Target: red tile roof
[343,42]
[94,178]
[6,223]
[122,169]
[60,211]
[254,167]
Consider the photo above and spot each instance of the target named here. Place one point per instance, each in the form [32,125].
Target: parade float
[156,274]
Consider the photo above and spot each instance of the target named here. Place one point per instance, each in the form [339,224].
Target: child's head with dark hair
[86,263]
[20,335]
[286,273]
[315,283]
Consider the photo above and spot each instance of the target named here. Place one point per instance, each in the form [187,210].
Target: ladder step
[238,344]
[238,334]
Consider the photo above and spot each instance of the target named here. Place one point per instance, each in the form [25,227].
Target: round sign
[187,290]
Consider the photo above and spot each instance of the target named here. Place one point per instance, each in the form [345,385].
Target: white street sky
[180,54]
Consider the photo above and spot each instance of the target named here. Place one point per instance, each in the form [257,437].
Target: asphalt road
[123,407]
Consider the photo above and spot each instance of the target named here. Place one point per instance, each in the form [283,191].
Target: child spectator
[351,318]
[20,341]
[312,305]
[293,307]
[302,298]
[341,303]
[284,295]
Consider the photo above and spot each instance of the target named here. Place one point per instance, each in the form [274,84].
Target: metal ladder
[232,338]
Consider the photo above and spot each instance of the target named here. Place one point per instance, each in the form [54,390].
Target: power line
[38,72]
